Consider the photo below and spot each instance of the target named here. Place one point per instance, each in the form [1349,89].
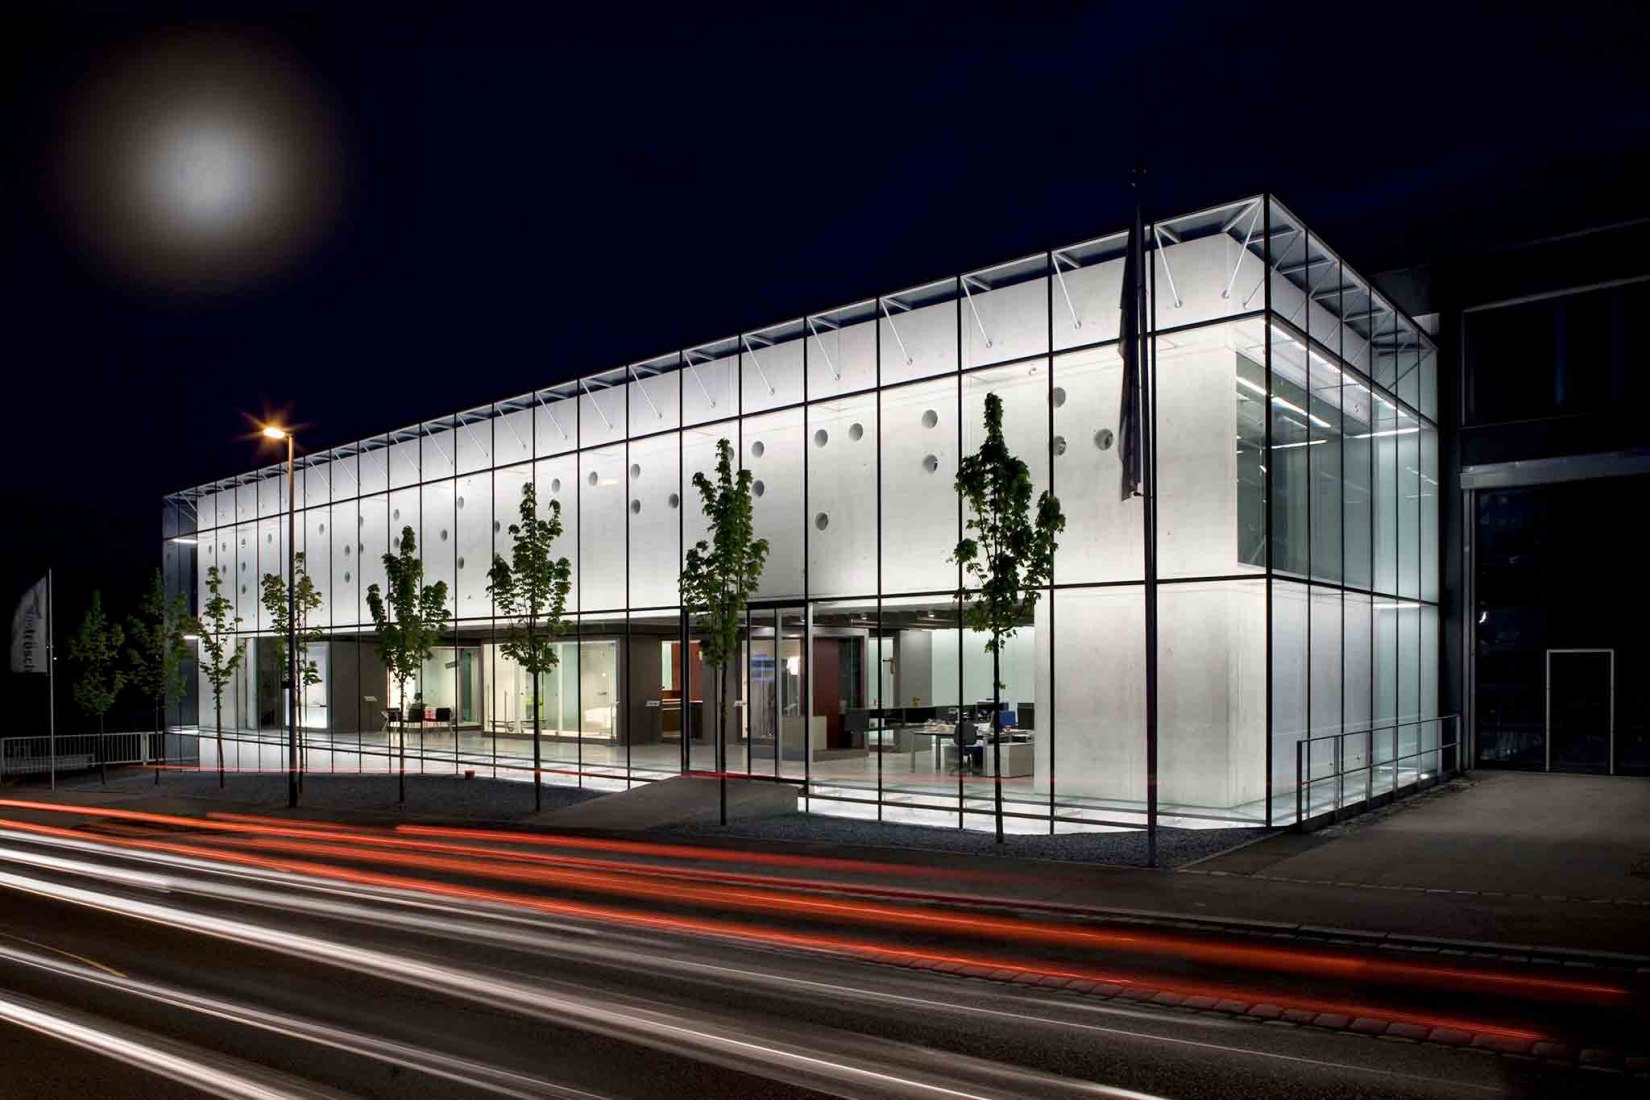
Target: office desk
[1019,757]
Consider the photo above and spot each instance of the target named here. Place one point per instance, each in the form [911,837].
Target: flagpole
[51,677]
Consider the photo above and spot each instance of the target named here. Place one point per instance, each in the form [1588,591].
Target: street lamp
[271,431]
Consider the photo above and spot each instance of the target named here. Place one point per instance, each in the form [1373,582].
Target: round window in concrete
[821,437]
[758,488]
[856,432]
[397,514]
[592,479]
[1059,396]
[243,589]
[346,576]
[1059,444]
[443,534]
[323,528]
[1104,439]
[497,527]
[635,507]
[635,472]
[930,463]
[930,418]
[461,563]
[346,551]
[555,485]
[243,567]
[270,538]
[675,501]
[757,449]
[822,521]
[361,546]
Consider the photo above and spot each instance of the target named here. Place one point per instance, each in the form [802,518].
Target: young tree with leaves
[272,594]
[221,652]
[409,618]
[531,590]
[719,575]
[157,653]
[95,647]
[306,600]
[1007,552]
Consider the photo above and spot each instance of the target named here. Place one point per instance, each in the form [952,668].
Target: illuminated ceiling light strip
[1163,256]
[693,370]
[1247,237]
[1386,432]
[751,348]
[972,308]
[597,405]
[836,374]
[641,388]
[1280,402]
[1060,277]
[1305,443]
[895,330]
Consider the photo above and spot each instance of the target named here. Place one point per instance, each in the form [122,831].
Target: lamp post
[273,432]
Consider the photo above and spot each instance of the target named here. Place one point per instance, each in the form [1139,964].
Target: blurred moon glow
[199,162]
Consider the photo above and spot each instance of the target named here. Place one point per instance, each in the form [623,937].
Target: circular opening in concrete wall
[361,547]
[675,501]
[397,514]
[323,528]
[461,566]
[1104,439]
[856,432]
[758,488]
[443,534]
[821,437]
[269,538]
[461,502]
[360,521]
[497,526]
[592,479]
[555,485]
[822,521]
[1059,444]
[346,551]
[930,463]
[243,589]
[346,576]
[243,544]
[1059,396]
[635,507]
[635,472]
[243,567]
[930,418]
[757,449]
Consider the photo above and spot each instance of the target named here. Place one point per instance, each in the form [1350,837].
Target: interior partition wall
[1291,462]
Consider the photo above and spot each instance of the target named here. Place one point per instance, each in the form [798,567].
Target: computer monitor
[1027,714]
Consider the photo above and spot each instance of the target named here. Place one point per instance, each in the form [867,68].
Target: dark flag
[1133,304]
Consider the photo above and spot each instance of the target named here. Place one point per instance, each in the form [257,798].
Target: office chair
[970,753]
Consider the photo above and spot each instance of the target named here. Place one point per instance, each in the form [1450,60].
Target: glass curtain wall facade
[1293,465]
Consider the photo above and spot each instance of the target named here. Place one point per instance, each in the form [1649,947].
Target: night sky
[517,199]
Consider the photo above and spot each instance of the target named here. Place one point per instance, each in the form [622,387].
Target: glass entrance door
[1580,710]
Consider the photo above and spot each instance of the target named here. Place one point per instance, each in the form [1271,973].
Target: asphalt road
[155,958]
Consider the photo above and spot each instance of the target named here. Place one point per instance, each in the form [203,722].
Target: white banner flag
[28,631]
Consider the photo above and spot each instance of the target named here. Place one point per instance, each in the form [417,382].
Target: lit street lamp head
[272,432]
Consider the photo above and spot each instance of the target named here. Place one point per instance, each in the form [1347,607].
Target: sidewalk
[1421,842]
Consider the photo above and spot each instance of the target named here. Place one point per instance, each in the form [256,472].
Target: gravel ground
[1174,846]
[443,795]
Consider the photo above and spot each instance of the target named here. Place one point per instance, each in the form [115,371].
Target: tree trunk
[162,739]
[217,709]
[996,734]
[722,739]
[538,793]
[401,749]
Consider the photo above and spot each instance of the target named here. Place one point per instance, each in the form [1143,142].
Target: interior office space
[1293,579]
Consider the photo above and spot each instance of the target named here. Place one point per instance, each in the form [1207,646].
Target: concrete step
[680,800]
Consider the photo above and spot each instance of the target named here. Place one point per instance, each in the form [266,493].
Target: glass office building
[1293,533]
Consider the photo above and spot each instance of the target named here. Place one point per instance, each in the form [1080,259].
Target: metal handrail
[1304,782]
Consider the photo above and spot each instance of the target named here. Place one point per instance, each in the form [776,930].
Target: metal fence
[33,756]
[1343,773]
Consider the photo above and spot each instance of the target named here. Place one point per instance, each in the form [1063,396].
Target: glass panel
[473,544]
[316,546]
[842,558]
[773,452]
[1103,538]
[403,458]
[655,510]
[1290,459]
[1211,501]
[710,383]
[1291,623]
[653,728]
[602,405]
[374,465]
[928,762]
[345,532]
[1429,514]
[555,479]
[474,439]
[918,332]
[1005,312]
[1088,286]
[842,350]
[655,396]
[919,501]
[1212,696]
[847,760]
[1207,264]
[602,515]
[555,423]
[436,543]
[1098,750]
[770,365]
